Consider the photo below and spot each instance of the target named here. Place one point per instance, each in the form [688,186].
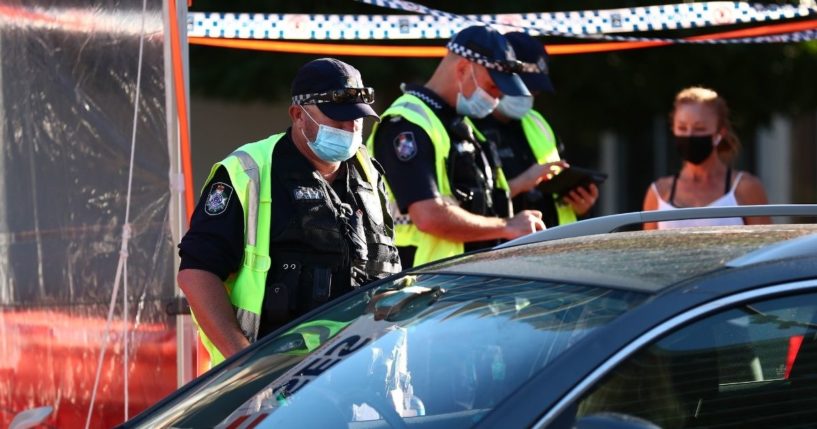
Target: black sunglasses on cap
[345,95]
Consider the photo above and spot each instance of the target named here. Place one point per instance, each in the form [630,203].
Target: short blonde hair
[730,145]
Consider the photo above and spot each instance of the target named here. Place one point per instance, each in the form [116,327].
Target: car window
[431,348]
[750,366]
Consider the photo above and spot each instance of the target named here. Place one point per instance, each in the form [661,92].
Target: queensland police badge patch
[405,146]
[218,198]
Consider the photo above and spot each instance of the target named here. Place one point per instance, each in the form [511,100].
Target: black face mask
[694,149]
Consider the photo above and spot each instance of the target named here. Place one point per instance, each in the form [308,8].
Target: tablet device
[571,178]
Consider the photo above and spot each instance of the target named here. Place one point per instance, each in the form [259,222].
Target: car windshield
[436,348]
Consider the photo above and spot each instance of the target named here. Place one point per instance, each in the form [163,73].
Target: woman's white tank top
[726,200]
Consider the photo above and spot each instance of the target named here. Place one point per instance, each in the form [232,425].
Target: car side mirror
[614,421]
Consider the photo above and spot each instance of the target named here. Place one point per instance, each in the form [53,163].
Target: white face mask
[333,144]
[515,107]
[479,105]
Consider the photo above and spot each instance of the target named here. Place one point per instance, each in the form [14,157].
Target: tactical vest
[542,142]
[294,265]
[430,247]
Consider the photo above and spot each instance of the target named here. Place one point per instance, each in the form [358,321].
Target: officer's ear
[296,113]
[462,68]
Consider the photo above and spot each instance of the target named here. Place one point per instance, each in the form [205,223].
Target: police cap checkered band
[344,95]
[504,66]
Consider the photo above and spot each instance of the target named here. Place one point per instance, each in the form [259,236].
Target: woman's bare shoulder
[748,180]
[750,190]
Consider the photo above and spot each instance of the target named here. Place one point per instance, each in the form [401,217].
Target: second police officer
[449,194]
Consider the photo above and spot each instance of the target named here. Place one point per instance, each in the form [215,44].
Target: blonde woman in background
[707,144]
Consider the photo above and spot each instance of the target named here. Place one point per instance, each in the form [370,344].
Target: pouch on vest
[468,171]
[501,203]
[501,198]
[321,284]
[280,297]
[467,182]
[308,279]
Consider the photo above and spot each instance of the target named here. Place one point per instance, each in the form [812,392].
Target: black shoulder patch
[218,198]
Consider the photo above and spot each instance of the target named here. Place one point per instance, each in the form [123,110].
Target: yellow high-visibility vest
[542,142]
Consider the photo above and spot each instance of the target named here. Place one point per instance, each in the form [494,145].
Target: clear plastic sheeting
[67,90]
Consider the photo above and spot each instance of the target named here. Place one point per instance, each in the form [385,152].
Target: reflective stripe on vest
[249,171]
[542,142]
[429,247]
[370,172]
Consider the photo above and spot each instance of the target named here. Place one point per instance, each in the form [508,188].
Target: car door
[750,363]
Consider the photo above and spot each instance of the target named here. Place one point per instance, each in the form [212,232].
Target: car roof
[646,261]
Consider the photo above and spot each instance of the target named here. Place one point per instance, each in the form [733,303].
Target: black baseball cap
[335,87]
[533,54]
[485,46]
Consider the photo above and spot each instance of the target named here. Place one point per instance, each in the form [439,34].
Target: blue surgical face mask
[333,144]
[515,107]
[479,105]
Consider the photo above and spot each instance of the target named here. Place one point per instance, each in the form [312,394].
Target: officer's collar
[429,97]
[294,164]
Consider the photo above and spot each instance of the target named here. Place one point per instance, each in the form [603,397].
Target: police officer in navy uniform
[292,221]
[527,145]
[449,192]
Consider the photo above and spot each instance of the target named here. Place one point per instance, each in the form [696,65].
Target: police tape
[799,31]
[434,24]
[724,16]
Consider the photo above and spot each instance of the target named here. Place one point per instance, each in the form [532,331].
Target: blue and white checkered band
[344,95]
[506,66]
[309,99]
[427,23]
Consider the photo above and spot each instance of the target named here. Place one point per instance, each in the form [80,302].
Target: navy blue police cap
[335,87]
[534,56]
[485,46]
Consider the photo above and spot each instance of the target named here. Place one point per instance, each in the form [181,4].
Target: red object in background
[794,347]
[50,358]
